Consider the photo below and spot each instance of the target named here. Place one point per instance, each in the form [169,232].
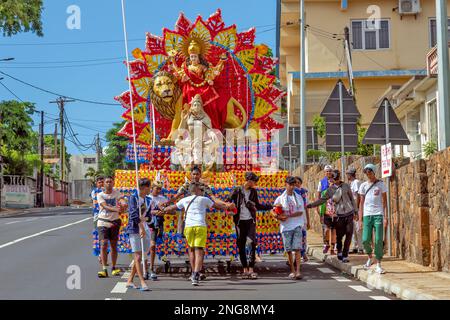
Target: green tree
[21,16]
[17,139]
[114,157]
[92,174]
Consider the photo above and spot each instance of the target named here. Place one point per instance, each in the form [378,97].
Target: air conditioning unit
[408,7]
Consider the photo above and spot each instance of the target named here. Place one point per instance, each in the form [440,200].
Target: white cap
[328,168]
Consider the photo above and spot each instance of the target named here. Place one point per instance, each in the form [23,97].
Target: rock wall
[420,206]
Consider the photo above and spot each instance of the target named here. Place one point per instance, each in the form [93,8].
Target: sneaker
[195,279]
[153,276]
[345,259]
[202,276]
[115,272]
[368,264]
[339,256]
[195,282]
[103,274]
[379,270]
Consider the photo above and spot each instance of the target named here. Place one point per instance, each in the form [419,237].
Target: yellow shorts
[196,236]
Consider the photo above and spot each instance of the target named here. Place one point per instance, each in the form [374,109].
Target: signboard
[331,113]
[386,160]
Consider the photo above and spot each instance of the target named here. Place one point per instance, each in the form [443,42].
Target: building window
[433,32]
[370,35]
[89,160]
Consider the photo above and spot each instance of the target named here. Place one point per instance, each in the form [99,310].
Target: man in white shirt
[108,225]
[195,230]
[357,224]
[291,214]
[373,212]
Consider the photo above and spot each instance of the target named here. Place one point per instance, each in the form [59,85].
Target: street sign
[386,160]
[334,120]
[293,153]
[376,134]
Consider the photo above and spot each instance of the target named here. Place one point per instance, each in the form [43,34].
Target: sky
[63,63]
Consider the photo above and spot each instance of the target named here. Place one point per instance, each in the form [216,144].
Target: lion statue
[166,97]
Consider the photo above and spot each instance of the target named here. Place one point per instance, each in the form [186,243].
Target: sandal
[245,275]
[253,275]
[291,276]
[144,288]
[298,276]
[131,286]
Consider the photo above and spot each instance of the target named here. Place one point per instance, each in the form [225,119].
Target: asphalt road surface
[48,255]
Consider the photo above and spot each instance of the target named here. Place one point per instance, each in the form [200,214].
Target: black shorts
[329,222]
[112,233]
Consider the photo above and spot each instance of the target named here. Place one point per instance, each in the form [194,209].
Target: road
[42,252]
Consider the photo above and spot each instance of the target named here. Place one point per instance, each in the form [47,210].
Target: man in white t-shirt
[108,225]
[291,214]
[372,211]
[357,224]
[195,230]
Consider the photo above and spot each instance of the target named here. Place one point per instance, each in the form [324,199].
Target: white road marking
[312,263]
[42,232]
[342,279]
[325,270]
[126,275]
[379,298]
[360,288]
[12,222]
[120,287]
[113,298]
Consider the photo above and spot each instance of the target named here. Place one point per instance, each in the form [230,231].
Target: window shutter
[384,34]
[370,40]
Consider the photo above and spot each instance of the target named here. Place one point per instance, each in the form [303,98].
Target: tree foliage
[21,16]
[114,157]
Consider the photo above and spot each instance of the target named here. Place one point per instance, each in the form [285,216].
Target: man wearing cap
[321,189]
[247,203]
[373,213]
[357,228]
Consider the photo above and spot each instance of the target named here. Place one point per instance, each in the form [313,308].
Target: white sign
[386,160]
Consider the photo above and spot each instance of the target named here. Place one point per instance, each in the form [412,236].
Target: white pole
[133,125]
[302,85]
[388,202]
[443,74]
[341,120]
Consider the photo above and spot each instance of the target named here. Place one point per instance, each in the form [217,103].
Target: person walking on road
[247,203]
[290,211]
[195,207]
[345,207]
[303,193]
[357,223]
[108,225]
[373,213]
[138,232]
[155,220]
[321,210]
[99,181]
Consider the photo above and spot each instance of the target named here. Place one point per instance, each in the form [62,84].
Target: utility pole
[41,174]
[443,74]
[61,101]
[302,85]
[99,152]
[348,53]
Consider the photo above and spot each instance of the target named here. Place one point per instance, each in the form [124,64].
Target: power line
[64,61]
[61,67]
[57,94]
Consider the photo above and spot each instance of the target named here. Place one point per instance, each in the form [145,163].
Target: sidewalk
[406,280]
[10,212]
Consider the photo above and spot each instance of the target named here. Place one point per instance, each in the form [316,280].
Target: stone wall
[420,206]
[438,171]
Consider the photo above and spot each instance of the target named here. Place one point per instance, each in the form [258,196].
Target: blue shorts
[292,239]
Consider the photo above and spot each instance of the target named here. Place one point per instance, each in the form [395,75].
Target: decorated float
[209,72]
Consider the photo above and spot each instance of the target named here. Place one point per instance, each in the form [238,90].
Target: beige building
[389,41]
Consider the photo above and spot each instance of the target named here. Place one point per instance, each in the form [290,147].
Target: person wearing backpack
[341,195]
[373,213]
[322,210]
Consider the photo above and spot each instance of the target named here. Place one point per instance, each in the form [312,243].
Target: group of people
[342,209]
[355,211]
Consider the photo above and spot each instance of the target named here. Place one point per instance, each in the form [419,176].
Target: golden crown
[194,47]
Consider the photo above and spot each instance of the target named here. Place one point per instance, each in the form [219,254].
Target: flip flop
[131,286]
[245,275]
[253,275]
[144,288]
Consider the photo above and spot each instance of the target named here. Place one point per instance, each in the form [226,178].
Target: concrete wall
[80,190]
[420,202]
